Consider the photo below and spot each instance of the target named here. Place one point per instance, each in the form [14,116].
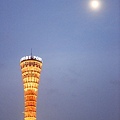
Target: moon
[95,4]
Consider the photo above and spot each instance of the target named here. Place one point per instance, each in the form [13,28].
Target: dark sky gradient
[80,48]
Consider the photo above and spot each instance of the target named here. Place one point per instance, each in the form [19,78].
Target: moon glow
[95,4]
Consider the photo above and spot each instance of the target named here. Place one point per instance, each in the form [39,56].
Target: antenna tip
[31,52]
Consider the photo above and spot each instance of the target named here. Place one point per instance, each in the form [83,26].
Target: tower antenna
[31,52]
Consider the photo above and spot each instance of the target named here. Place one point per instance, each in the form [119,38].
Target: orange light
[31,69]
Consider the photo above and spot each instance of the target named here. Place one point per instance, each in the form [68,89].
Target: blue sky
[80,49]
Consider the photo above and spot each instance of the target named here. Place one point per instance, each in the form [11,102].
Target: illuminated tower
[31,69]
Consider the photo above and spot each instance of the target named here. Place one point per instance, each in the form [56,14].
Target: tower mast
[31,52]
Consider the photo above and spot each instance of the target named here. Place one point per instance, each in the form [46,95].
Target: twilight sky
[80,49]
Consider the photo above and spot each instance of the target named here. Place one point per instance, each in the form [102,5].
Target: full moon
[95,4]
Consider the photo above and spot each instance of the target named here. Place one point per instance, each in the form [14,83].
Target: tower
[31,69]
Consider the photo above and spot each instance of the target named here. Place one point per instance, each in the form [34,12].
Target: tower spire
[31,52]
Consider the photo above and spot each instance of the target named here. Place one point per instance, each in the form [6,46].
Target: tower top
[31,58]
